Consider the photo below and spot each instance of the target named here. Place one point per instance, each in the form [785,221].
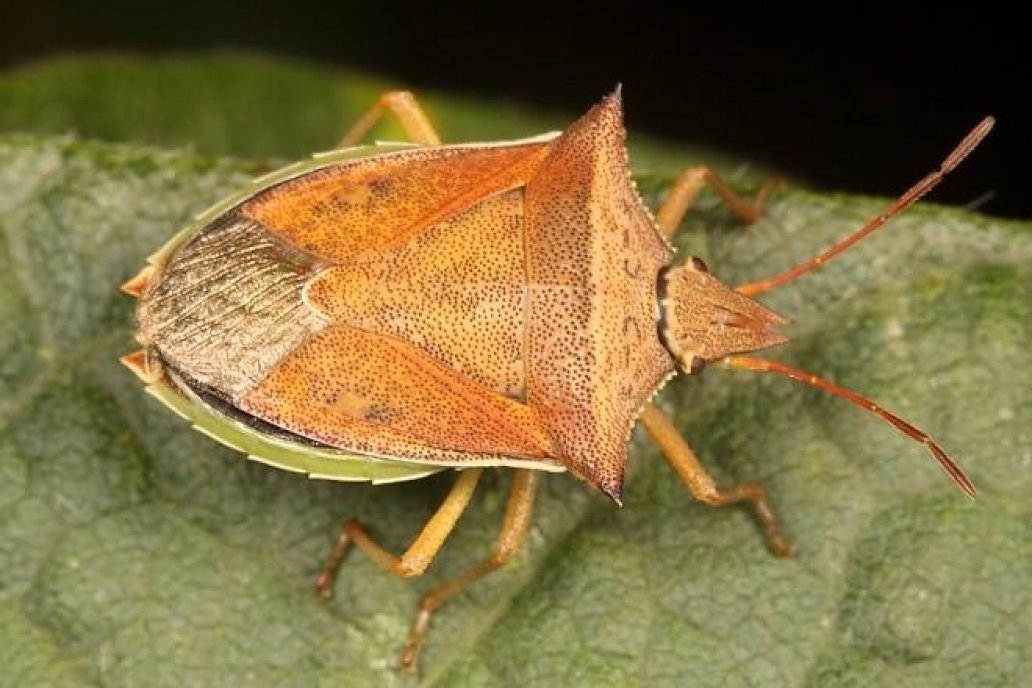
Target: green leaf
[134,551]
[253,106]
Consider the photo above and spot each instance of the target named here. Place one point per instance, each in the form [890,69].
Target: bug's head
[703,320]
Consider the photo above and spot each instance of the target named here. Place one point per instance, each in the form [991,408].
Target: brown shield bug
[385,312]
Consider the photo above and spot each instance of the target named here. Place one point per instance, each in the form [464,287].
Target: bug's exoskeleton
[386,312]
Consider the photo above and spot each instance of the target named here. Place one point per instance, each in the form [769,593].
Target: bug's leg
[514,530]
[700,483]
[686,187]
[420,553]
[408,111]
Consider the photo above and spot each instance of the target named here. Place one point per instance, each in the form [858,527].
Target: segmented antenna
[764,366]
[915,192]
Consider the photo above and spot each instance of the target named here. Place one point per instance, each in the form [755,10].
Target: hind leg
[409,112]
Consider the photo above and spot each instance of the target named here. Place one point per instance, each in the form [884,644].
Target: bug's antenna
[915,192]
[948,465]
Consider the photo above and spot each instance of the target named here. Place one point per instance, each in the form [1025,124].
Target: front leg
[686,187]
[701,484]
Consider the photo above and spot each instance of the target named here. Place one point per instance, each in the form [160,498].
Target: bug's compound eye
[696,365]
[699,264]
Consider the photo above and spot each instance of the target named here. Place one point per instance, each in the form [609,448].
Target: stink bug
[385,312]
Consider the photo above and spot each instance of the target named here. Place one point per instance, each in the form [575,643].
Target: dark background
[863,99]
